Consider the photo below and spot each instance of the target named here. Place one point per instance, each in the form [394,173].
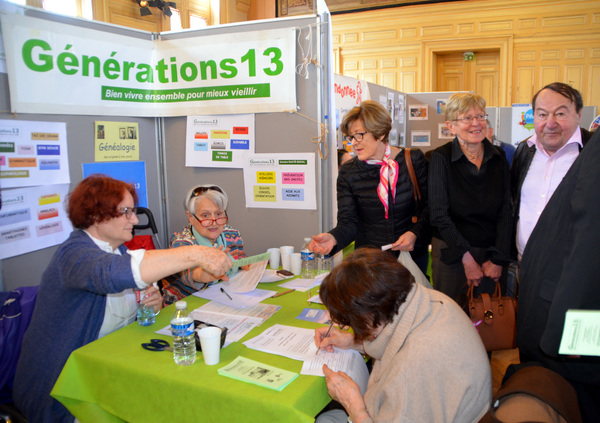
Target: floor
[499,362]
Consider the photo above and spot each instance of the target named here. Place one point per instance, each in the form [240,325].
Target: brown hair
[461,103]
[566,91]
[95,200]
[366,290]
[376,118]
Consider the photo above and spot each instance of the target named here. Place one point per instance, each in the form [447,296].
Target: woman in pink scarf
[374,191]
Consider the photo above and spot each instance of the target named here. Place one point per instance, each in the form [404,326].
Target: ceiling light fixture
[162,5]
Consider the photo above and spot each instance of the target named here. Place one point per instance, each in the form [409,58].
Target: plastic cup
[286,249]
[210,340]
[275,254]
[296,263]
[285,261]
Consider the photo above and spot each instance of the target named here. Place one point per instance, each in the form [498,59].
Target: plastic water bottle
[145,314]
[182,328]
[308,269]
[324,264]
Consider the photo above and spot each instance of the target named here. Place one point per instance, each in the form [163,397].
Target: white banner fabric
[66,69]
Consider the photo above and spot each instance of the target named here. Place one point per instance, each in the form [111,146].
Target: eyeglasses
[358,136]
[197,192]
[469,119]
[127,211]
[220,218]
[543,116]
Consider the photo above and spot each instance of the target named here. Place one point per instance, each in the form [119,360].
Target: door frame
[430,50]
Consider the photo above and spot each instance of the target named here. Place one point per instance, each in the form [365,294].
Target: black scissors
[157,345]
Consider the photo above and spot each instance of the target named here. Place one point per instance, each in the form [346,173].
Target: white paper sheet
[581,334]
[347,361]
[288,341]
[298,344]
[245,280]
[304,285]
[246,299]
[271,275]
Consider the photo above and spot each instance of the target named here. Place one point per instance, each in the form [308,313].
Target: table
[113,379]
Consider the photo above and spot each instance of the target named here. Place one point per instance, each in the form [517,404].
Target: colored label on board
[48,150]
[266,177]
[265,193]
[222,156]
[240,130]
[292,194]
[292,177]
[240,144]
[200,146]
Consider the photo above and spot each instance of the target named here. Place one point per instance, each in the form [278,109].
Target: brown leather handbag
[413,179]
[495,319]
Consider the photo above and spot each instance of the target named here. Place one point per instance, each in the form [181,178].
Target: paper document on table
[347,361]
[316,315]
[271,275]
[251,260]
[237,326]
[304,285]
[257,373]
[581,334]
[245,280]
[233,299]
[288,341]
[262,311]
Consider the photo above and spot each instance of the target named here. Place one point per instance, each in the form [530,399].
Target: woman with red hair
[87,291]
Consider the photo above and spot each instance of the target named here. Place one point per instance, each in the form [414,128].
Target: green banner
[224,92]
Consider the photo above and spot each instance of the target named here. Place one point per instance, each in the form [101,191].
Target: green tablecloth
[113,379]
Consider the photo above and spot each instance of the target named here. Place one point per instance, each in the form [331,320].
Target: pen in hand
[225,292]
[326,335]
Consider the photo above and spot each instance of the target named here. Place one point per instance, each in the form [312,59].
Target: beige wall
[539,42]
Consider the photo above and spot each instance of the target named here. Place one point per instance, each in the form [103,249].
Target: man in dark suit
[541,161]
[560,270]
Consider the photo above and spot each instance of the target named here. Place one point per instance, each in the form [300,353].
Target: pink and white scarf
[388,177]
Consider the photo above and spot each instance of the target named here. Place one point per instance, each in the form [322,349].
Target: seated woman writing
[429,362]
[206,210]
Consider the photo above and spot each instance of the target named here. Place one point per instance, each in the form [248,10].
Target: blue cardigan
[68,314]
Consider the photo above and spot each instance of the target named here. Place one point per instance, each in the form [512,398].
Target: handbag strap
[413,177]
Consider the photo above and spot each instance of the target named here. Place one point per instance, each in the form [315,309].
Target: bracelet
[359,413]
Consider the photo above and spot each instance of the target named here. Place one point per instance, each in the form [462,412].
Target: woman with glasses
[87,290]
[374,191]
[469,203]
[206,210]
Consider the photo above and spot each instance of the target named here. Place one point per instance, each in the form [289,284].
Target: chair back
[150,224]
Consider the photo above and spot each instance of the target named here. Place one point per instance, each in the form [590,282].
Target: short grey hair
[213,192]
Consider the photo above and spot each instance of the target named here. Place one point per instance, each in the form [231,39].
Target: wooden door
[480,75]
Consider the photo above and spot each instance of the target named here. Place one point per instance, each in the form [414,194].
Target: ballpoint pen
[326,335]
[225,292]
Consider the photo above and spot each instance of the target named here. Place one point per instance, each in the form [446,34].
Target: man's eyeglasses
[469,119]
[127,211]
[220,218]
[358,136]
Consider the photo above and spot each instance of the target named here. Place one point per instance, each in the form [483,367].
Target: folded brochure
[257,373]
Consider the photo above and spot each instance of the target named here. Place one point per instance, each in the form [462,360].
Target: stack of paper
[299,344]
[257,373]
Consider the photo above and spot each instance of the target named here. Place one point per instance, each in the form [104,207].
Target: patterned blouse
[180,285]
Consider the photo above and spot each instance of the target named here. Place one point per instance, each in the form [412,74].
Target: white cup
[275,254]
[286,249]
[285,261]
[210,341]
[296,263]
